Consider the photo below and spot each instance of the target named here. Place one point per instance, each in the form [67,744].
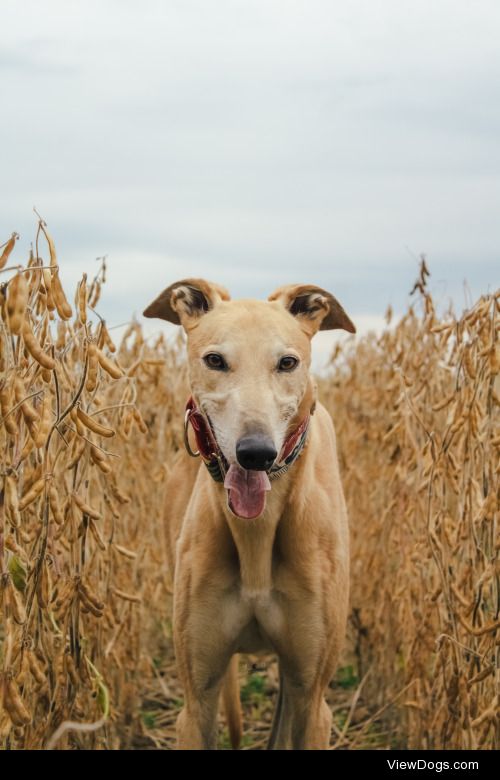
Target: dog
[257,529]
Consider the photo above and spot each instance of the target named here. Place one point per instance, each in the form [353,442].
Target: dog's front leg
[307,663]
[202,662]
[203,652]
[305,719]
[197,722]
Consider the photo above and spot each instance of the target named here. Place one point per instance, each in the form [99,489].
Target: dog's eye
[215,361]
[288,363]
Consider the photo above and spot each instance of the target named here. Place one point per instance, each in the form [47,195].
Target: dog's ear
[315,308]
[184,302]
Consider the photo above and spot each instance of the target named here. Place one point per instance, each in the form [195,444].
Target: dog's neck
[254,539]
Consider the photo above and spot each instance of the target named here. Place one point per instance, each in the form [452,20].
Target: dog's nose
[256,451]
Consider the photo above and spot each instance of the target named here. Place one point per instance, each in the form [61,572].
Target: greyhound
[257,531]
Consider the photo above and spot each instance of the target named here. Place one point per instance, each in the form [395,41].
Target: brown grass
[85,648]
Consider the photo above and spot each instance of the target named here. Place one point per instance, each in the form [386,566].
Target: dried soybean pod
[29,412]
[100,459]
[43,588]
[32,476]
[47,278]
[127,596]
[105,339]
[97,535]
[32,494]
[12,545]
[28,446]
[41,302]
[77,452]
[52,248]
[13,703]
[5,408]
[92,367]
[81,300]
[35,349]
[43,429]
[24,668]
[17,301]
[444,402]
[71,669]
[63,307]
[57,512]
[12,501]
[88,607]
[112,506]
[80,428]
[139,420]
[85,508]
[101,341]
[65,594]
[97,454]
[494,360]
[89,600]
[121,497]
[127,424]
[469,363]
[61,335]
[36,668]
[90,596]
[125,552]
[5,721]
[47,283]
[93,425]
[95,294]
[16,605]
[9,246]
[109,366]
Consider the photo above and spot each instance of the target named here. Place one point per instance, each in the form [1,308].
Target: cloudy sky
[256,142]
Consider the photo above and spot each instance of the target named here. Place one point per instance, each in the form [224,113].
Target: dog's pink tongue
[247,491]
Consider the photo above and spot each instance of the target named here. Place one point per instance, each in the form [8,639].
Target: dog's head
[249,366]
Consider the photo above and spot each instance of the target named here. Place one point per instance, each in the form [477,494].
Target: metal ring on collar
[186,436]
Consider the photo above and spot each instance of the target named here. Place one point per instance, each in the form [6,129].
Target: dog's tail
[231,702]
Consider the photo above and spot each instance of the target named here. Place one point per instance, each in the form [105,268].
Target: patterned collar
[215,461]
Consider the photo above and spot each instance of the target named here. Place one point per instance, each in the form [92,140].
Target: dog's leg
[305,719]
[203,655]
[202,666]
[307,665]
[231,702]
[278,713]
[197,722]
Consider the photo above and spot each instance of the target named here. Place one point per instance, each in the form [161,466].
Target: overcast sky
[256,142]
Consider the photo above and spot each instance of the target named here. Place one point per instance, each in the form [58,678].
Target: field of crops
[87,434]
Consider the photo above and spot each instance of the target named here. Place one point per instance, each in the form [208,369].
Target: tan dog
[259,539]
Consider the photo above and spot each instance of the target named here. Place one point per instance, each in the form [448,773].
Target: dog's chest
[252,620]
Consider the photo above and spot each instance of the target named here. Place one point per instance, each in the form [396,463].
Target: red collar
[214,459]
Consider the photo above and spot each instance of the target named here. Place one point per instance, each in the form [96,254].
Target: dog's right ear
[184,302]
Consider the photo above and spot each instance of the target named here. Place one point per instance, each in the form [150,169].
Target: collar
[214,460]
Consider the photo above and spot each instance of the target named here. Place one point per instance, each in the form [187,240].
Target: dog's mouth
[246,491]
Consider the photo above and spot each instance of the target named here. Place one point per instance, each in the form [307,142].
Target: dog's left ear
[315,308]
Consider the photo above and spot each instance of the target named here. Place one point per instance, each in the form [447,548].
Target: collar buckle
[187,417]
